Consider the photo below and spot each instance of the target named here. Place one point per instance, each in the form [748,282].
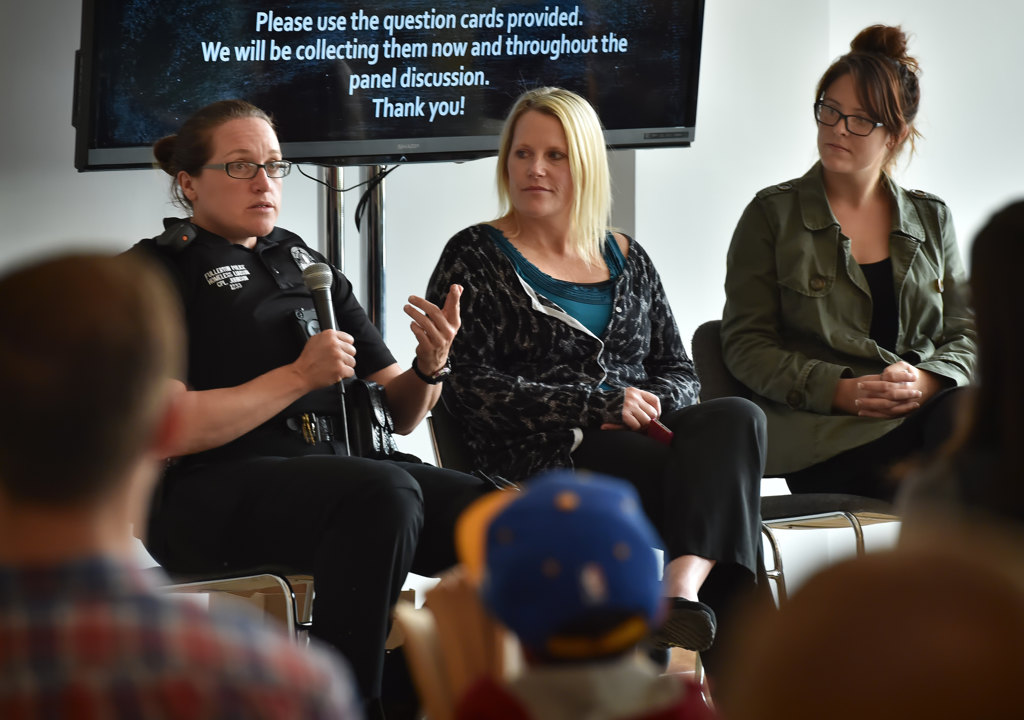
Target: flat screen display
[388,81]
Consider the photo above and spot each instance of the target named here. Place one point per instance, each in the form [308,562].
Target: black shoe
[660,656]
[689,625]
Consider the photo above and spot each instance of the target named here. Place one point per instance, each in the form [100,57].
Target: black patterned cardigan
[527,376]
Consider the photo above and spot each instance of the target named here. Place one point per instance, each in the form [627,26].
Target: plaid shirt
[93,639]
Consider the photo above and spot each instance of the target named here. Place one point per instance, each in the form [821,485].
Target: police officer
[262,474]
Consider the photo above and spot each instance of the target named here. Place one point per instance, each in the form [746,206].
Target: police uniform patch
[227,276]
[302,258]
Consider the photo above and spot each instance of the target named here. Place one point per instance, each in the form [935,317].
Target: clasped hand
[897,391]
[435,329]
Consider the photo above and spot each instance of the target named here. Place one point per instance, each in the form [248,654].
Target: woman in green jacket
[846,309]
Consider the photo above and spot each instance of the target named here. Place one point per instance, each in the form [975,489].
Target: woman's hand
[327,357]
[899,390]
[639,407]
[435,329]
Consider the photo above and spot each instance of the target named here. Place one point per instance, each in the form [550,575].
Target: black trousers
[872,469]
[702,494]
[358,526]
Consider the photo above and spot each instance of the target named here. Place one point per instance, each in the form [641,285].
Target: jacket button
[817,283]
[794,398]
[784,186]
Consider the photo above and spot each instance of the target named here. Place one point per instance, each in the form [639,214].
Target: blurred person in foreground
[980,473]
[89,344]
[568,567]
[923,632]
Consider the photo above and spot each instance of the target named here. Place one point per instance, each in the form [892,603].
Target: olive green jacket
[798,313]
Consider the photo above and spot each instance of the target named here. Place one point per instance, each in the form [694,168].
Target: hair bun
[163,151]
[884,40]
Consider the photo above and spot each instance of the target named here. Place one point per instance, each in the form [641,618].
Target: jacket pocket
[807,268]
[810,294]
[807,263]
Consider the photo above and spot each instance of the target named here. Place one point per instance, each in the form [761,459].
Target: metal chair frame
[850,510]
[820,520]
[294,592]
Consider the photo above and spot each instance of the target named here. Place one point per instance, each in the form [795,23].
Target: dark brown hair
[886,78]
[190,149]
[996,417]
[82,397]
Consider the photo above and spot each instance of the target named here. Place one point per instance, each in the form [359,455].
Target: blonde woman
[569,353]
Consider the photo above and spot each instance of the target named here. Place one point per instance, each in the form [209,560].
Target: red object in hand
[657,430]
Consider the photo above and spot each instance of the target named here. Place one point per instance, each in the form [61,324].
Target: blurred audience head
[89,342]
[996,256]
[913,633]
[567,565]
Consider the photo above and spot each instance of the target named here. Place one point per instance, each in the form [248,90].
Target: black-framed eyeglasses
[855,124]
[247,170]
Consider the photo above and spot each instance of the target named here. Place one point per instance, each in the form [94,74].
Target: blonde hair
[588,164]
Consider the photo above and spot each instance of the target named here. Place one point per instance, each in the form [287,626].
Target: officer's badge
[302,258]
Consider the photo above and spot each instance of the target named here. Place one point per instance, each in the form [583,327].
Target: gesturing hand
[435,329]
[639,407]
[327,358]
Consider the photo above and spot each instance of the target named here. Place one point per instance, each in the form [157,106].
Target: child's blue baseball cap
[568,564]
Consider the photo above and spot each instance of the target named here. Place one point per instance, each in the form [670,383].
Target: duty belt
[313,428]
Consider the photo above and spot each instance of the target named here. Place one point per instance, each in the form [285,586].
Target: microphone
[318,278]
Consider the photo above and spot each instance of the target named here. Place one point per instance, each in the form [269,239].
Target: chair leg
[858,531]
[776,574]
[701,678]
[246,587]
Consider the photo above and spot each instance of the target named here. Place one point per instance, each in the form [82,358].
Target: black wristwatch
[437,377]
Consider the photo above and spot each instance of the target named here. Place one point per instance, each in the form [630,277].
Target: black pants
[358,526]
[702,494]
[872,469]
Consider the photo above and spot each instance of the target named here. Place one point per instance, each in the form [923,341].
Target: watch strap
[437,377]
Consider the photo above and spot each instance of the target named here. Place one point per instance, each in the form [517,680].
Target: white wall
[972,59]
[760,65]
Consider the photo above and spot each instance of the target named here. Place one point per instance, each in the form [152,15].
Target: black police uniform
[357,525]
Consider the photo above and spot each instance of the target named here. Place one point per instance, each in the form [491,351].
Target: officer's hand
[327,358]
[435,329]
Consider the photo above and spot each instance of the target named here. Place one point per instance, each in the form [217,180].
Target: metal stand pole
[372,237]
[334,216]
[334,250]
